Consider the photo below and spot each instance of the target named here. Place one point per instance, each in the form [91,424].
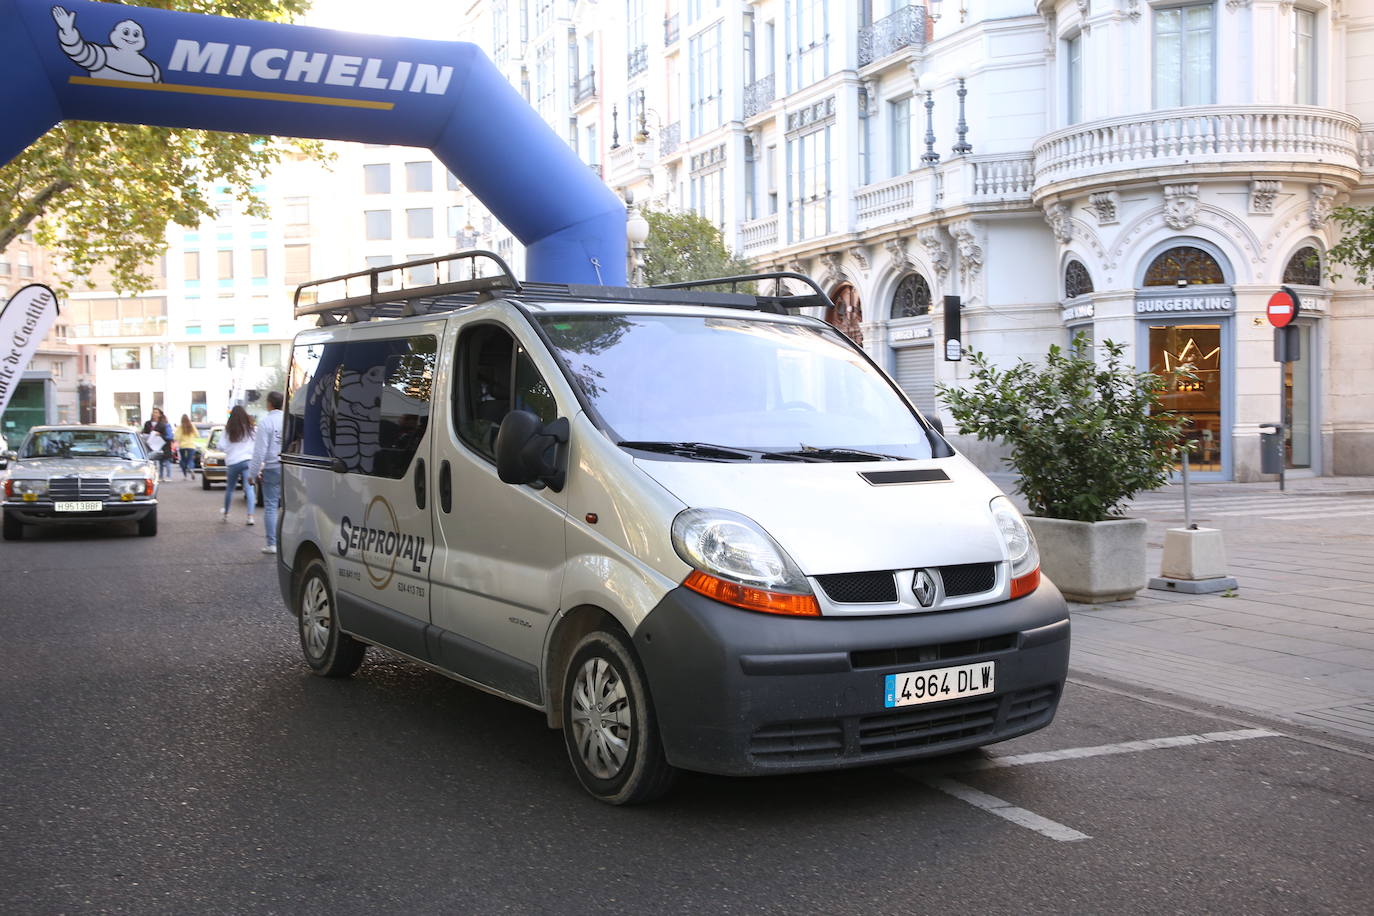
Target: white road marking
[1043,825]
[1126,747]
[1006,810]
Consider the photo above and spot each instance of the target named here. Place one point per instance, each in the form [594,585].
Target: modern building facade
[1143,172]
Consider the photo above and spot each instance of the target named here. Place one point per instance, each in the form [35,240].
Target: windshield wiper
[806,453]
[704,450]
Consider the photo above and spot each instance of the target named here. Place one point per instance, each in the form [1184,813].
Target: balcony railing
[891,200]
[669,139]
[670,29]
[759,233]
[1000,177]
[585,88]
[638,60]
[1202,135]
[905,28]
[758,95]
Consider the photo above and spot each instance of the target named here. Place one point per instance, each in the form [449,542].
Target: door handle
[420,483]
[445,487]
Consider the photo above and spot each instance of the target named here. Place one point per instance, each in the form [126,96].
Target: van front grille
[968,578]
[938,652]
[860,588]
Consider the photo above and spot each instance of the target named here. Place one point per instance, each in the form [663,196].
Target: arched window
[1304,267]
[1184,266]
[1077,282]
[912,297]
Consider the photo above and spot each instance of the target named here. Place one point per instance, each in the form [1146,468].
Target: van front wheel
[609,724]
[328,651]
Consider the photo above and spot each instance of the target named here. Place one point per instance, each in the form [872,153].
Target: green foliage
[686,246]
[1356,249]
[94,193]
[1083,438]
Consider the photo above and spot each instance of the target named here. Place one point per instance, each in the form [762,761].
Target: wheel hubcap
[601,722]
[315,617]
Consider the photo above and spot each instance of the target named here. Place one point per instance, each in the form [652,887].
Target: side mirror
[528,450]
[8,456]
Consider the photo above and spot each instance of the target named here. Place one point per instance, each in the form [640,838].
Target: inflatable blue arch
[89,61]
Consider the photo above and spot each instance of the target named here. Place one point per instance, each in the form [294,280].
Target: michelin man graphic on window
[119,60]
[357,410]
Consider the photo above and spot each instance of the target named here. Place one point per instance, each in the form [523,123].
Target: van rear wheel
[609,724]
[328,650]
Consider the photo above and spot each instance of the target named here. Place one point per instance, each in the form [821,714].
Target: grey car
[68,475]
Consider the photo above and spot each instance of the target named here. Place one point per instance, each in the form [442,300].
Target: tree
[1356,249]
[686,246]
[94,192]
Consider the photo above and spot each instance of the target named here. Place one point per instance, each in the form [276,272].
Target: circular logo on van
[379,561]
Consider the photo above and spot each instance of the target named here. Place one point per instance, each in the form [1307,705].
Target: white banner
[24,321]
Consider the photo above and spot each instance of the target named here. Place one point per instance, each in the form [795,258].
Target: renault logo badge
[923,586]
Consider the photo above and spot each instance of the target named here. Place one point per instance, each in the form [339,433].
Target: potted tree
[1084,438]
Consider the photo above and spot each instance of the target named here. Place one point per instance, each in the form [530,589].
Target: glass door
[1189,357]
[1297,403]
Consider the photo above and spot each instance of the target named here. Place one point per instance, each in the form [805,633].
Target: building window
[543,80]
[125,358]
[378,224]
[198,407]
[1304,57]
[912,297]
[809,165]
[126,405]
[500,33]
[806,47]
[1077,282]
[160,356]
[1184,266]
[1073,58]
[899,119]
[708,196]
[257,258]
[420,223]
[226,326]
[421,274]
[451,181]
[297,264]
[419,176]
[1304,268]
[190,267]
[297,211]
[224,267]
[705,78]
[377,178]
[1183,56]
[193,328]
[261,326]
[195,357]
[269,355]
[238,356]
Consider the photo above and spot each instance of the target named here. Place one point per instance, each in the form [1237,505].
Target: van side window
[495,375]
[381,408]
[308,428]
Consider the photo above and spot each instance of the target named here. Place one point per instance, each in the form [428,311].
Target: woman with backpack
[237,443]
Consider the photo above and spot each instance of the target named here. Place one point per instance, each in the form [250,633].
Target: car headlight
[129,487]
[26,489]
[735,562]
[1022,553]
[212,462]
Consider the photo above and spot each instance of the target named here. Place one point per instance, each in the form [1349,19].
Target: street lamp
[963,146]
[637,233]
[927,85]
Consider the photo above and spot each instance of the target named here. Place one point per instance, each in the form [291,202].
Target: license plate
[79,507]
[913,687]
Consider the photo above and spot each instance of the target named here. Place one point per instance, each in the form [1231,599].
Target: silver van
[695,528]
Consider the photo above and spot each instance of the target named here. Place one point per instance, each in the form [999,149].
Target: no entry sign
[1283,307]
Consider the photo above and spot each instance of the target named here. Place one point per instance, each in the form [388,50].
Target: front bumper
[213,472]
[742,693]
[112,510]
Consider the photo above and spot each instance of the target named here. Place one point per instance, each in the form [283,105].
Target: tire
[147,526]
[204,481]
[609,725]
[14,529]
[328,651]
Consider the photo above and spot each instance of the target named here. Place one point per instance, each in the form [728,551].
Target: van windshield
[773,389]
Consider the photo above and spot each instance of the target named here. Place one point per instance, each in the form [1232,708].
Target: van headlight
[1022,553]
[26,489]
[735,562]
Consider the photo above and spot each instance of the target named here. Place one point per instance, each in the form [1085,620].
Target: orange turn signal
[752,599]
[1024,585]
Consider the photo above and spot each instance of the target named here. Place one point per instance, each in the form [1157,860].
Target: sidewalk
[1296,640]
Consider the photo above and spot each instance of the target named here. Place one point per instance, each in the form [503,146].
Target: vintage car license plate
[88,506]
[936,684]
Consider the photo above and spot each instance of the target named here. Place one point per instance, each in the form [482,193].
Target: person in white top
[237,443]
[265,466]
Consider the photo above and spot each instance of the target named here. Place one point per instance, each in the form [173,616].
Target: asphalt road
[164,750]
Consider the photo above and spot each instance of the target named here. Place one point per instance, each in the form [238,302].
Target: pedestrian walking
[157,432]
[265,467]
[237,442]
[186,446]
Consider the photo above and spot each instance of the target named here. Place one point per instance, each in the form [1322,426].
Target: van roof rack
[368,294]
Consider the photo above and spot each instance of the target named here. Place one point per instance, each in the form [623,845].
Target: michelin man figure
[119,60]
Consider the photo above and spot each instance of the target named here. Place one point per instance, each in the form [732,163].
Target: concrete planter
[1092,561]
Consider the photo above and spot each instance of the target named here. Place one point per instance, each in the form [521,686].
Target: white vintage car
[64,475]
